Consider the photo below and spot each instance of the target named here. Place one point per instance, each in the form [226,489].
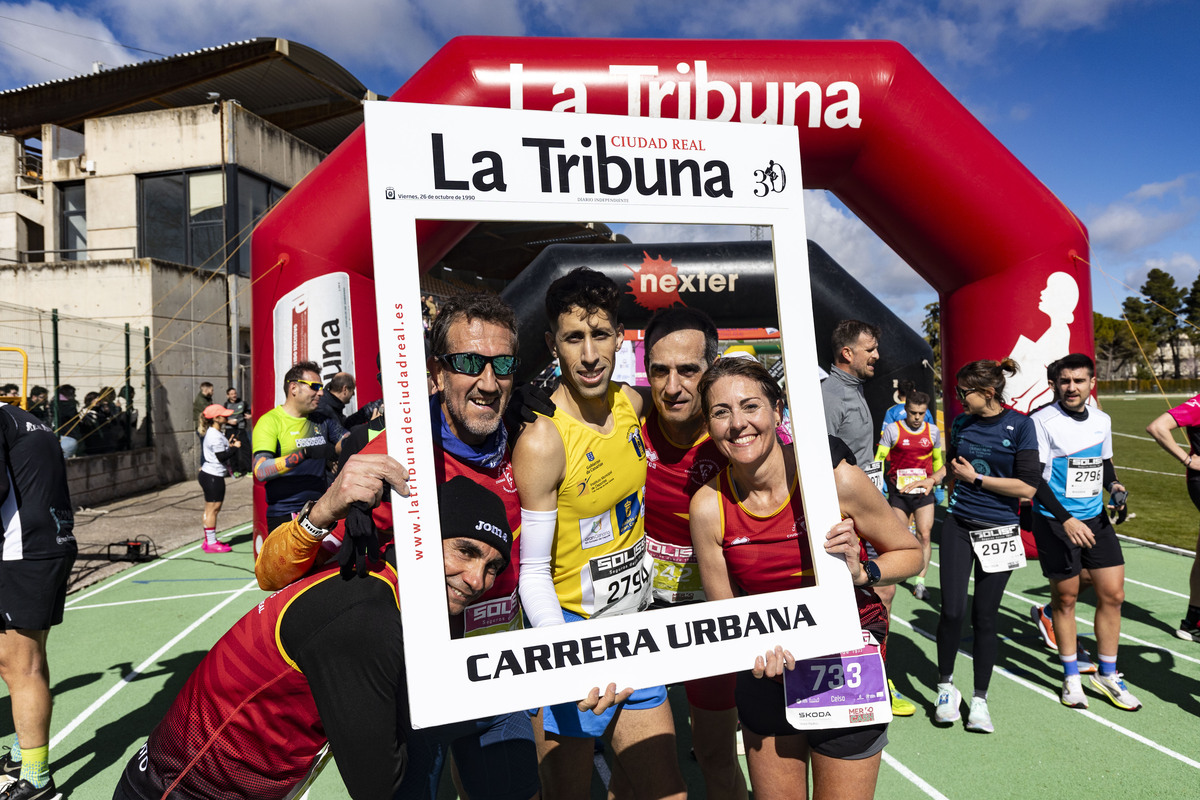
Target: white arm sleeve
[538,598]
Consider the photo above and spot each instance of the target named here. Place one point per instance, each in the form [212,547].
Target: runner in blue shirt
[993,459]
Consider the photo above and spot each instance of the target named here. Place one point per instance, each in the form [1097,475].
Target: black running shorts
[32,593]
[909,503]
[213,486]
[760,709]
[1061,559]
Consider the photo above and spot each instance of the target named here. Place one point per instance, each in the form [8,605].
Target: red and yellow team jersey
[769,553]
[674,473]
[910,454]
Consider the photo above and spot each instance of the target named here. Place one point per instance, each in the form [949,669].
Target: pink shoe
[216,547]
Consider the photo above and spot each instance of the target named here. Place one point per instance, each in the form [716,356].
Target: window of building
[72,221]
[181,218]
[255,197]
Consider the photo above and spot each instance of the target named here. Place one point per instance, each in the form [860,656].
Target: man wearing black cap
[317,666]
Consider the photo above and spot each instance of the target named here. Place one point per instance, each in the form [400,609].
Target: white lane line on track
[1150,471]
[999,670]
[124,576]
[1158,588]
[913,777]
[125,681]
[1124,635]
[1134,436]
[155,599]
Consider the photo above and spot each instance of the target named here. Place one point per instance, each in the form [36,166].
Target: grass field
[1158,501]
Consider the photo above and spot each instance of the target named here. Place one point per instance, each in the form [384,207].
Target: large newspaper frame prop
[458,163]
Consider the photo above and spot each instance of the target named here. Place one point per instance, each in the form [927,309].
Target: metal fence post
[128,390]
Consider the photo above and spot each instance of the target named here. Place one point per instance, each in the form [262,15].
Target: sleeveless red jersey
[772,554]
[910,450]
[673,474]
[765,554]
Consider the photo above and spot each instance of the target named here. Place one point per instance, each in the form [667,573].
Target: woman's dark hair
[738,367]
[987,374]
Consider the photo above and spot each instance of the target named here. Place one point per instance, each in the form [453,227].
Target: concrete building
[128,196]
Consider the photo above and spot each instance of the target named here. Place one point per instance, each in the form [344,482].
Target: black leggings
[956,557]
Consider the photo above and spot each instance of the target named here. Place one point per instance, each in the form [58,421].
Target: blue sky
[1099,98]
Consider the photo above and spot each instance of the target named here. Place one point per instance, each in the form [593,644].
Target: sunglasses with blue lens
[473,363]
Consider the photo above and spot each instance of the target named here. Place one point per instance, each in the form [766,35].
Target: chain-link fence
[86,378]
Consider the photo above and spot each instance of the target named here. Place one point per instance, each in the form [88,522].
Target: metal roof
[288,84]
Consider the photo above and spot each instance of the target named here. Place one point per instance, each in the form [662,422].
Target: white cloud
[1131,224]
[1156,190]
[391,36]
[1064,15]
[38,45]
[864,255]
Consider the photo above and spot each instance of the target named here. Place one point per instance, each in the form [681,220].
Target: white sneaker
[1113,687]
[978,718]
[946,711]
[1072,693]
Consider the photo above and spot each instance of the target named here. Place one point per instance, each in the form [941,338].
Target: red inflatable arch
[1008,259]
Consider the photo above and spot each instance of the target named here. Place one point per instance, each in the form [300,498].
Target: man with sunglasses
[472,363]
[289,448]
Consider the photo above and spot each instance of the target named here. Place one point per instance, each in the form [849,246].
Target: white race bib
[676,574]
[874,471]
[905,477]
[999,549]
[1085,476]
[620,581]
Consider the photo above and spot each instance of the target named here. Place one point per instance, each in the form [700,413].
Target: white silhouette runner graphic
[1028,388]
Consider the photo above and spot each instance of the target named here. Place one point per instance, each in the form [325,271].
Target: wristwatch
[873,574]
[312,530]
[978,482]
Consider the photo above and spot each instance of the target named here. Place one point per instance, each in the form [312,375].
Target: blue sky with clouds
[1098,98]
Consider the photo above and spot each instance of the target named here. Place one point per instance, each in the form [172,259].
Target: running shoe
[9,770]
[1189,631]
[901,705]
[1084,659]
[946,711]
[921,592]
[215,547]
[1113,687]
[1072,693]
[978,718]
[24,790]
[1044,624]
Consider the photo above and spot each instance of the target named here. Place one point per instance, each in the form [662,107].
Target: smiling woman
[751,536]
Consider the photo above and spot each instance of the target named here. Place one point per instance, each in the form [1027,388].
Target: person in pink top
[1186,416]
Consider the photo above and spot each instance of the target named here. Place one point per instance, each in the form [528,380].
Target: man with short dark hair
[289,450]
[581,475]
[1073,531]
[321,668]
[37,525]
[203,400]
[39,405]
[847,416]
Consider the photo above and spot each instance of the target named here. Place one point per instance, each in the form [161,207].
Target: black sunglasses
[316,386]
[472,363]
[962,394]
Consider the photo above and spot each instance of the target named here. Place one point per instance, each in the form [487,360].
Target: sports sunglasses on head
[473,363]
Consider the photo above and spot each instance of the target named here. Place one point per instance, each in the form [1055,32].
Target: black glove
[1118,501]
[360,544]
[322,451]
[527,401]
